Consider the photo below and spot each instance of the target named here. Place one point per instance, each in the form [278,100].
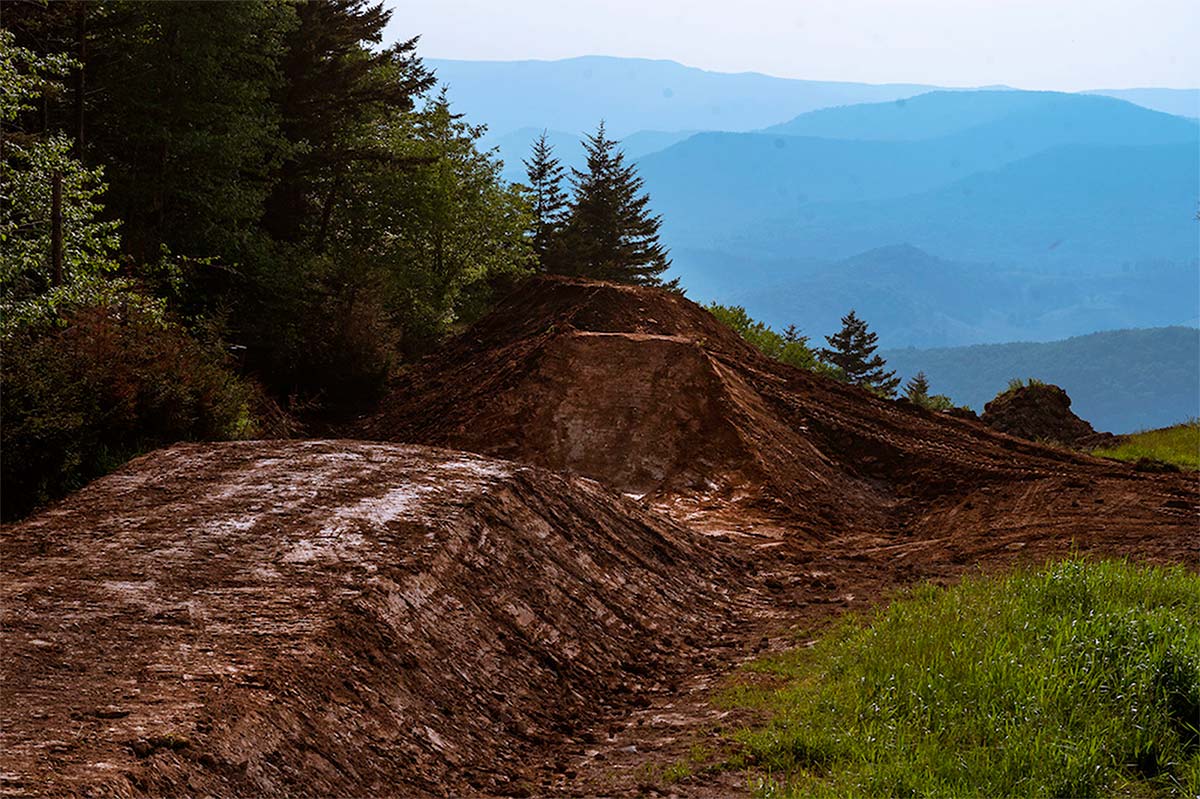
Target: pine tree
[549,202]
[610,232]
[917,389]
[337,85]
[852,350]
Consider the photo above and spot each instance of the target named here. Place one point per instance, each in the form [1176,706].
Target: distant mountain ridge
[633,94]
[1119,380]
[1056,116]
[913,298]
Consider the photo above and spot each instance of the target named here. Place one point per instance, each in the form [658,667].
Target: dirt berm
[331,618]
[1041,412]
[644,390]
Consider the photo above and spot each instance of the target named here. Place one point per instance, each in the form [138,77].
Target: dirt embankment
[647,392]
[333,618]
[1041,412]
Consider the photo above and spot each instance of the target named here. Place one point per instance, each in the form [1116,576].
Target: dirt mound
[331,618]
[1039,412]
[646,391]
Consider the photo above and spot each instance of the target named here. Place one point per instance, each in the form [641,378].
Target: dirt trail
[334,618]
[353,618]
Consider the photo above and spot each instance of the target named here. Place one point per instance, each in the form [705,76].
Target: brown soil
[333,618]
[1041,412]
[378,619]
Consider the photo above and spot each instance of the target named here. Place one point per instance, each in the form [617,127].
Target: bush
[789,347]
[87,388]
[1079,680]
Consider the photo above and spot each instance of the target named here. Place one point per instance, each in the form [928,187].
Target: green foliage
[1079,680]
[92,385]
[26,172]
[1016,384]
[610,232]
[916,391]
[1178,445]
[852,351]
[790,347]
[92,370]
[27,77]
[185,126]
[548,204]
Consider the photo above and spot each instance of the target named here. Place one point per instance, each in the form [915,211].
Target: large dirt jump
[331,618]
[645,391]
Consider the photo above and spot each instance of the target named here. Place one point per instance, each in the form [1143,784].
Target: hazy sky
[1035,44]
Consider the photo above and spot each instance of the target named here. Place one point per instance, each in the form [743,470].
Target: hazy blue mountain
[764,191]
[1078,209]
[1120,381]
[1184,102]
[925,116]
[912,298]
[633,94]
[568,147]
[1033,119]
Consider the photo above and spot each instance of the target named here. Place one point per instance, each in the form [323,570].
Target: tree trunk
[56,242]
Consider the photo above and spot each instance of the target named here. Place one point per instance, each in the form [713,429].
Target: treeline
[850,356]
[221,217]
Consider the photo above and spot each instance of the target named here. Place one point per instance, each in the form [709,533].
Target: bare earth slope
[321,618]
[644,390]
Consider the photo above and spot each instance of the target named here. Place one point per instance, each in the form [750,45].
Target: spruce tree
[917,389]
[549,203]
[852,350]
[610,232]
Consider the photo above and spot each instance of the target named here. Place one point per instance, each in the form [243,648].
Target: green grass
[1080,680]
[1178,445]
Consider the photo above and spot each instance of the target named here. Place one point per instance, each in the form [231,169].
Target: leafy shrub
[88,387]
[790,347]
[1079,680]
[1016,384]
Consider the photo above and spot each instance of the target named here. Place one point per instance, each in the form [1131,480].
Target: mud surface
[352,618]
[322,618]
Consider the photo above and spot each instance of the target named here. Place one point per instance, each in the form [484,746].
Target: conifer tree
[548,201]
[611,233]
[852,350]
[917,389]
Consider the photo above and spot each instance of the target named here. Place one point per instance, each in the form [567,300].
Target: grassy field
[1178,445]
[1081,680]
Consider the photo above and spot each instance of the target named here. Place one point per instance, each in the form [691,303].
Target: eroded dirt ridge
[325,618]
[647,392]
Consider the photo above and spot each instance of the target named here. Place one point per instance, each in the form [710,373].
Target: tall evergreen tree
[548,201]
[334,91]
[852,350]
[610,232]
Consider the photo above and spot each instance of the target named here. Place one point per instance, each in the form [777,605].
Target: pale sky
[1068,45]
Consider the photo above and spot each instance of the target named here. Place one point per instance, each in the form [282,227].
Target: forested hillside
[1120,381]
[915,299]
[230,220]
